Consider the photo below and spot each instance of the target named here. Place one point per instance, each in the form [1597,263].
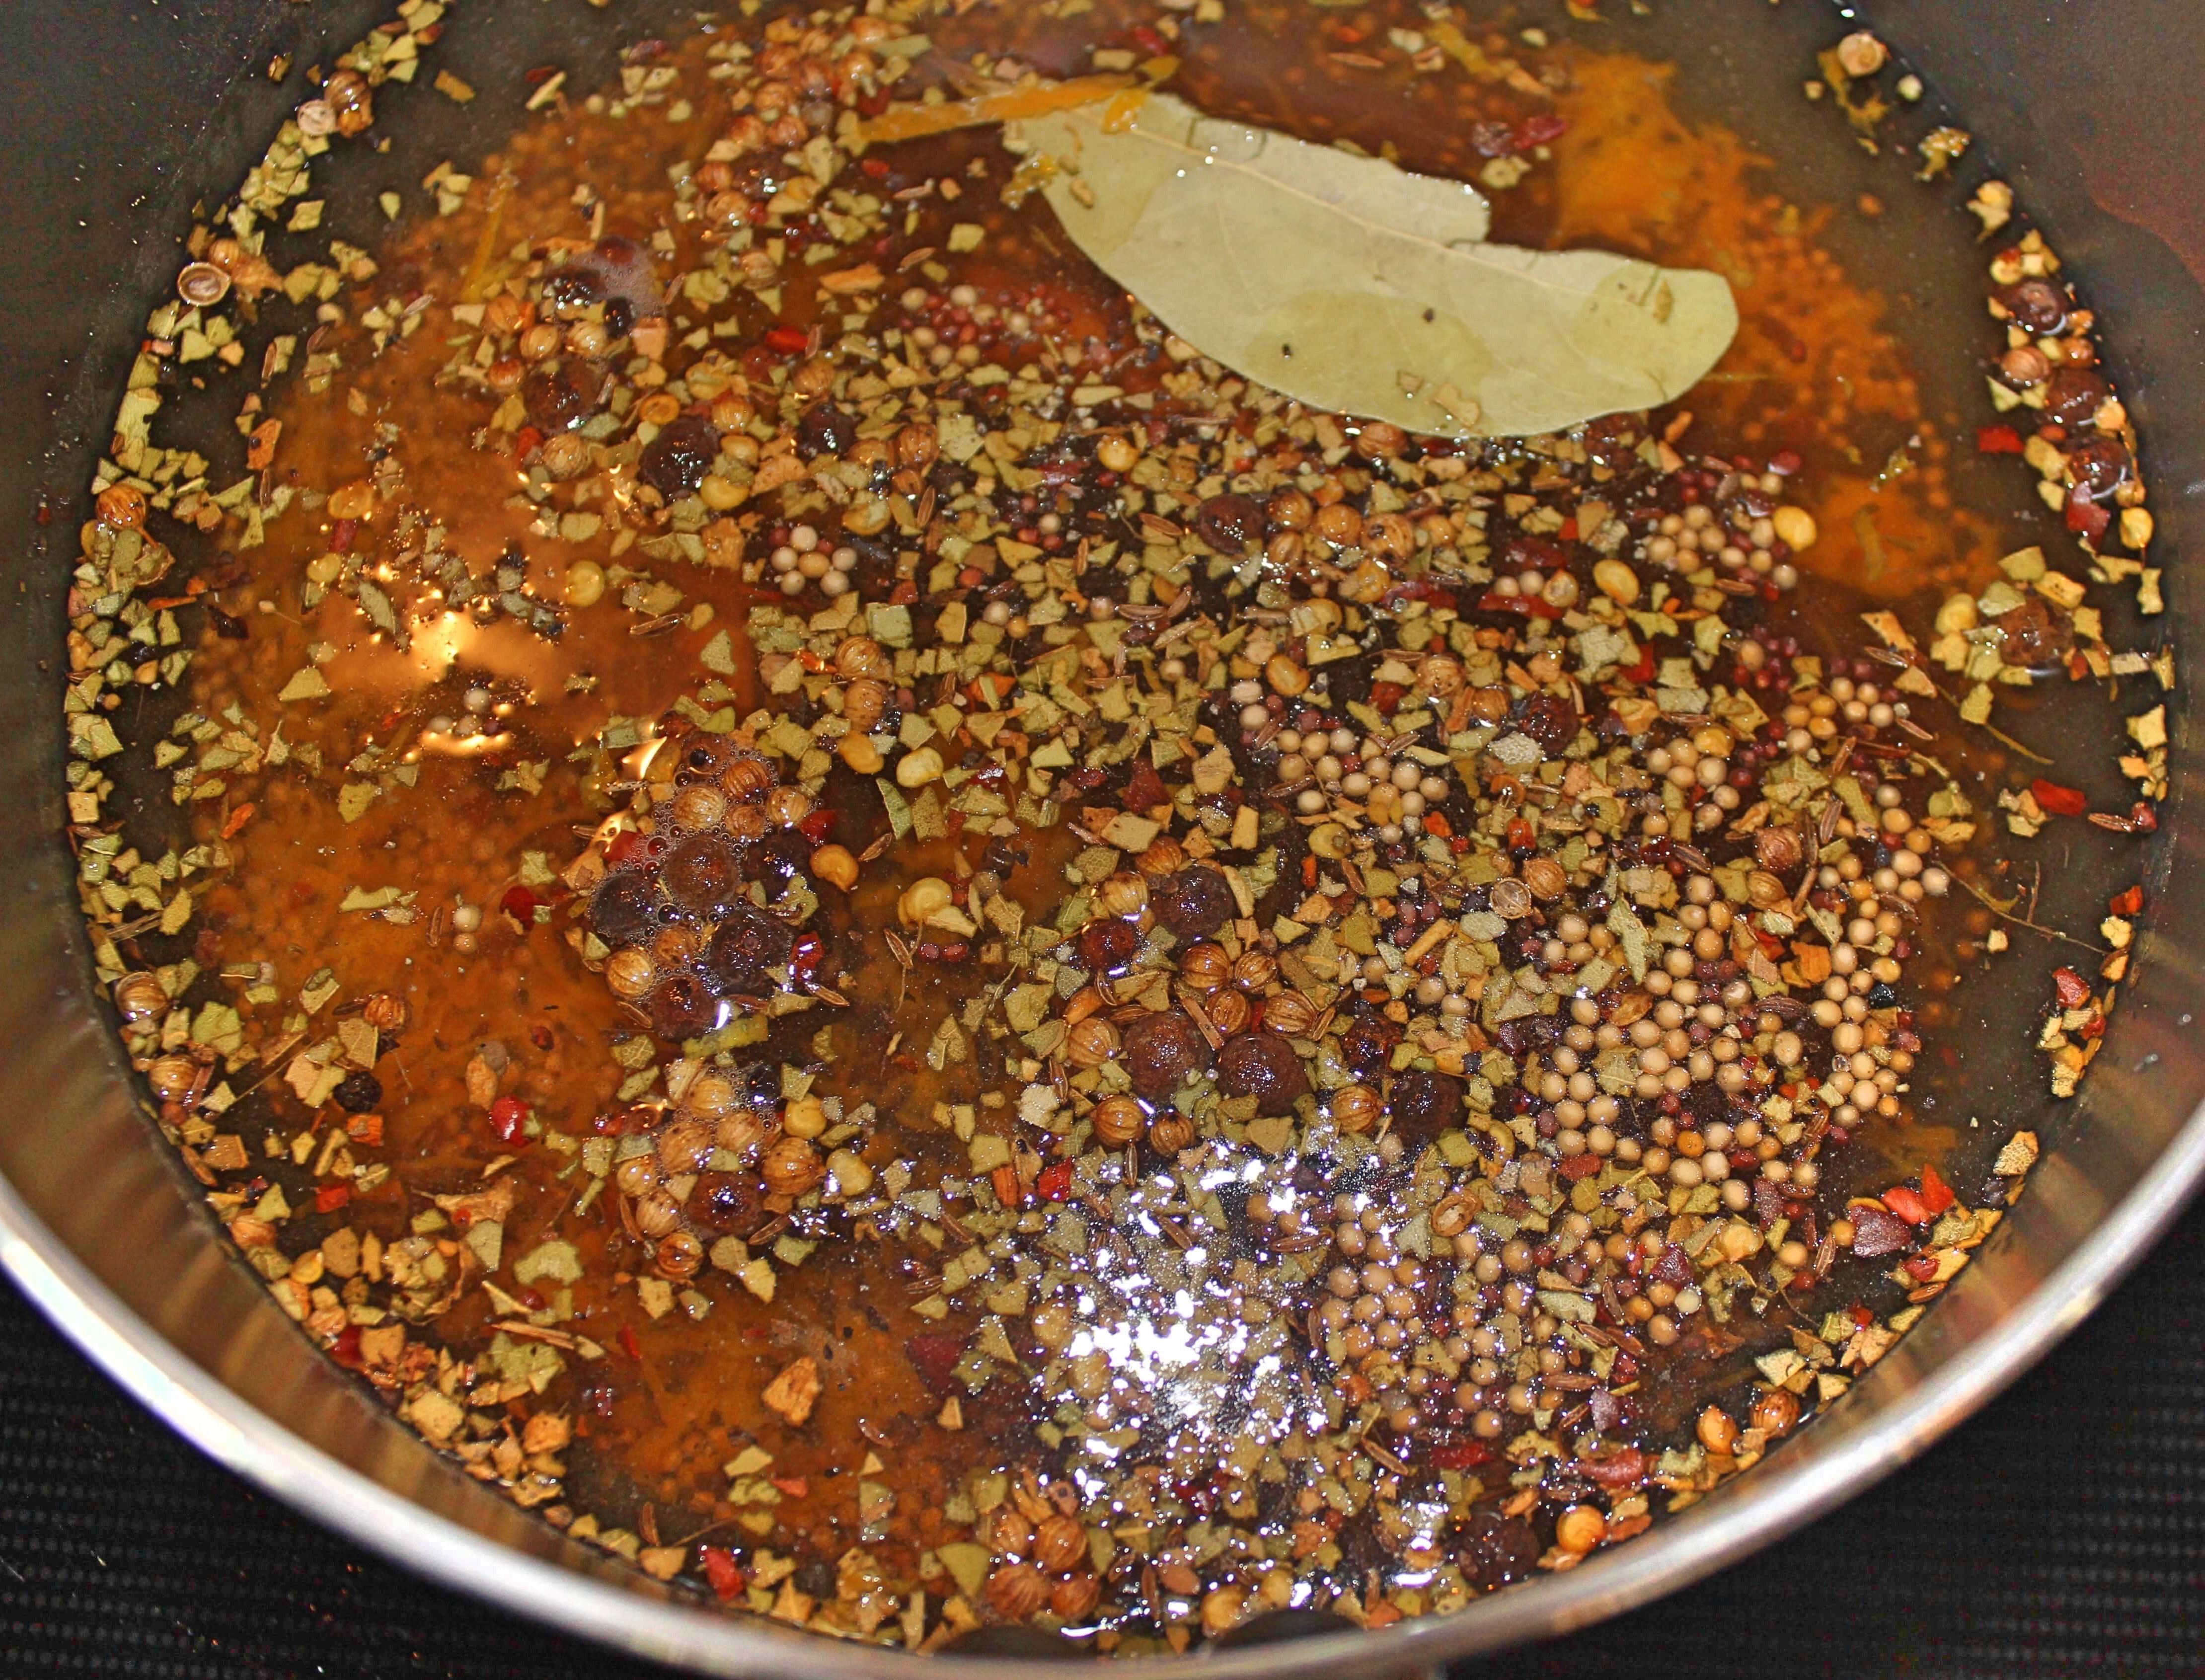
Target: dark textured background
[2061,1532]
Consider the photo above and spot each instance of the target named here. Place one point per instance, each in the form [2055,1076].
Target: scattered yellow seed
[834,865]
[1617,581]
[924,899]
[1717,1430]
[721,494]
[1861,54]
[2136,528]
[848,1173]
[586,583]
[1795,526]
[1580,1529]
[918,767]
[1222,1608]
[355,501]
[806,1117]
[859,753]
[1285,674]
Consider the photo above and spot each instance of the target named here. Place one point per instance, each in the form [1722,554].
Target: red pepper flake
[1998,439]
[804,960]
[935,1357]
[1876,1230]
[795,1487]
[2085,518]
[237,819]
[1860,1316]
[2141,820]
[1623,1469]
[2130,903]
[1460,1455]
[1386,697]
[328,1198]
[1054,1183]
[509,1119]
[1936,1194]
[1536,130]
[345,1349]
[2072,990]
[526,442]
[1575,1167]
[1922,1266]
[628,1343]
[341,535]
[1153,43]
[1144,788]
[1907,1204]
[2058,800]
[518,907]
[788,341]
[721,1569]
[1643,670]
[815,828]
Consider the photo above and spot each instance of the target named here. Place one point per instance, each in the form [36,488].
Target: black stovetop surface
[2061,1533]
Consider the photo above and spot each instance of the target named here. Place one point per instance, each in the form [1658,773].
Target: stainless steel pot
[118,115]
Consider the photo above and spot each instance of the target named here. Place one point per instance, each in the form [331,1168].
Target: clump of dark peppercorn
[560,398]
[1493,1550]
[682,1006]
[1195,903]
[825,430]
[624,910]
[674,463]
[1229,523]
[703,873]
[1425,1104]
[358,1092]
[1263,1066]
[744,950]
[1549,719]
[1367,1044]
[1162,1050]
[1108,945]
[729,1204]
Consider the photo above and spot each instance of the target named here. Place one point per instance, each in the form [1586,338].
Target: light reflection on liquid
[1197,1342]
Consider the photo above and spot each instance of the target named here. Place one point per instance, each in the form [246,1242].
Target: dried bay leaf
[1358,287]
